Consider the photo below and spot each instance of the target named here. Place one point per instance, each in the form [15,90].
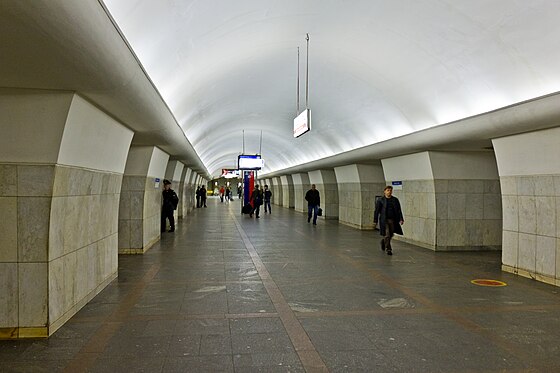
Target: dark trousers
[203,202]
[166,214]
[389,232]
[197,202]
[267,204]
[256,210]
[312,209]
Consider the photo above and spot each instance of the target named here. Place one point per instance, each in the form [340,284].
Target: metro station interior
[454,104]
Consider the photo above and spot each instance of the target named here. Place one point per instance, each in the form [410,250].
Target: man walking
[267,197]
[257,199]
[203,195]
[170,202]
[313,202]
[389,215]
[197,197]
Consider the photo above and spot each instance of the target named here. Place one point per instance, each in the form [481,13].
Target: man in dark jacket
[313,202]
[388,212]
[197,197]
[257,200]
[203,196]
[267,198]
[170,202]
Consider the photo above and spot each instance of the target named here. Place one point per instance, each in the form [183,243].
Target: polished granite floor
[226,293]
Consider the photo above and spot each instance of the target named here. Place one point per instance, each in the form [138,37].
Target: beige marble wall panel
[57,300]
[9,295]
[36,181]
[492,233]
[546,249]
[33,228]
[510,251]
[527,214]
[137,233]
[124,233]
[70,265]
[300,203]
[33,294]
[527,251]
[8,229]
[546,216]
[8,180]
[531,213]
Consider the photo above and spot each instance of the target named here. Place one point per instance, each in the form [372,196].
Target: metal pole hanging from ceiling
[307,75]
[297,90]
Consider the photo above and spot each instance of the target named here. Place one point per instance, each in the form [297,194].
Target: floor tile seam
[467,324]
[109,327]
[301,341]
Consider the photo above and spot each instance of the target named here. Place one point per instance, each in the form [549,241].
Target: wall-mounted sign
[156,183]
[229,173]
[397,185]
[302,123]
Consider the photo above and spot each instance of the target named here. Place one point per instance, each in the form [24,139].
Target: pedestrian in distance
[203,195]
[389,215]
[267,197]
[170,202]
[313,202]
[197,197]
[257,199]
[222,192]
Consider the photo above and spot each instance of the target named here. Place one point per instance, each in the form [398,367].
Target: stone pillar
[61,165]
[182,193]
[188,202]
[140,207]
[358,185]
[173,173]
[450,200]
[325,182]
[288,200]
[530,181]
[276,189]
[301,185]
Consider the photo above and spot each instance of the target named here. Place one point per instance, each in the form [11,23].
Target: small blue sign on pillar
[397,185]
[156,186]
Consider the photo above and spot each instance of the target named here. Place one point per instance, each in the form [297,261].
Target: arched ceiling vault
[386,77]
[378,69]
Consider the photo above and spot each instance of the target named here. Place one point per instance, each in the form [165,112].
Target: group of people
[225,193]
[388,213]
[258,197]
[201,196]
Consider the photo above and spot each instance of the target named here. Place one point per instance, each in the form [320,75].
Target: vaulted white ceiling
[378,69]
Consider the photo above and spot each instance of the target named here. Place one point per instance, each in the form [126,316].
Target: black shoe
[308,220]
[250,215]
[314,223]
[172,230]
[257,217]
[389,252]
[383,244]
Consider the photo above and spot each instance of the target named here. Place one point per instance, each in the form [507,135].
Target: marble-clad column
[326,184]
[189,189]
[530,182]
[450,200]
[301,185]
[277,192]
[140,207]
[173,173]
[288,200]
[182,211]
[358,185]
[60,177]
